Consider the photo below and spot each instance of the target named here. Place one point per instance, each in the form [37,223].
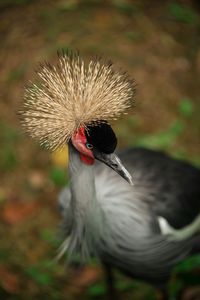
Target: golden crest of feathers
[73,94]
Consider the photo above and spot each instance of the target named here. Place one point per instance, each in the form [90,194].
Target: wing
[131,237]
[171,186]
[133,240]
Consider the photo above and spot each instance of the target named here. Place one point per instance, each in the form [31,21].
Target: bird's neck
[82,184]
[86,212]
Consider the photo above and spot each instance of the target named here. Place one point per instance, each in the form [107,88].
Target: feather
[73,94]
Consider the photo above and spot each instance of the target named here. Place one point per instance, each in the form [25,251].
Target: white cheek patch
[179,234]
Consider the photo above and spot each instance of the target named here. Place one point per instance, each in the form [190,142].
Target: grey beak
[113,161]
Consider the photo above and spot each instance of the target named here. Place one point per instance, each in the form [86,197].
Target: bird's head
[69,103]
[99,142]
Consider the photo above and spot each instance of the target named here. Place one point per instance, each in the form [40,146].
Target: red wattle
[87,160]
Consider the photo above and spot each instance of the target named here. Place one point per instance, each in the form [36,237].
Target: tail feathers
[181,234]
[196,245]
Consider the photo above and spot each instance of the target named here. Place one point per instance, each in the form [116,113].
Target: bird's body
[121,224]
[144,229]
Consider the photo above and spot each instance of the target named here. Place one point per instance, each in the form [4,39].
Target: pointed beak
[113,161]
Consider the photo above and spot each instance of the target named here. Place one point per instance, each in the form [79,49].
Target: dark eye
[89,146]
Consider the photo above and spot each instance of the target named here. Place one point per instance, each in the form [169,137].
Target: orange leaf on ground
[81,279]
[87,276]
[36,179]
[15,212]
[9,281]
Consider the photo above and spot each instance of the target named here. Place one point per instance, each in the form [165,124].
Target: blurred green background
[158,43]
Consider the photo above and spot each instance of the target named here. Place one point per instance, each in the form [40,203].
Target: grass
[58,176]
[182,13]
[97,290]
[17,74]
[167,139]
[49,236]
[42,273]
[162,140]
[8,153]
[68,5]
[133,36]
[125,7]
[186,107]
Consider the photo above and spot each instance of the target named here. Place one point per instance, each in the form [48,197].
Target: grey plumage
[105,216]
[119,223]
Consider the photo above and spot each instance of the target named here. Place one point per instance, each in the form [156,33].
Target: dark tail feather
[196,245]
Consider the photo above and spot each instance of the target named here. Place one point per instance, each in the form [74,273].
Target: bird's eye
[89,146]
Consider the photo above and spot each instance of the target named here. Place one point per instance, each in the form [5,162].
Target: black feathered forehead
[102,137]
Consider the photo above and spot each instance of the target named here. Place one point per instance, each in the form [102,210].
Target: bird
[137,210]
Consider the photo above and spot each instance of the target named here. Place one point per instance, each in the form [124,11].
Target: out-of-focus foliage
[8,155]
[157,42]
[182,13]
[186,107]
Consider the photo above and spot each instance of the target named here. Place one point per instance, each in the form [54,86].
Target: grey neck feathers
[85,209]
[81,183]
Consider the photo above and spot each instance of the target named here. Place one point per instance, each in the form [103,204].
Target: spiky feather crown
[73,94]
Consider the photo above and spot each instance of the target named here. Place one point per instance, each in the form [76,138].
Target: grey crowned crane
[143,226]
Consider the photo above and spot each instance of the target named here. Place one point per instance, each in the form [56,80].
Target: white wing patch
[179,234]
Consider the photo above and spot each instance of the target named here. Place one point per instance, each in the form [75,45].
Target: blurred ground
[158,43]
